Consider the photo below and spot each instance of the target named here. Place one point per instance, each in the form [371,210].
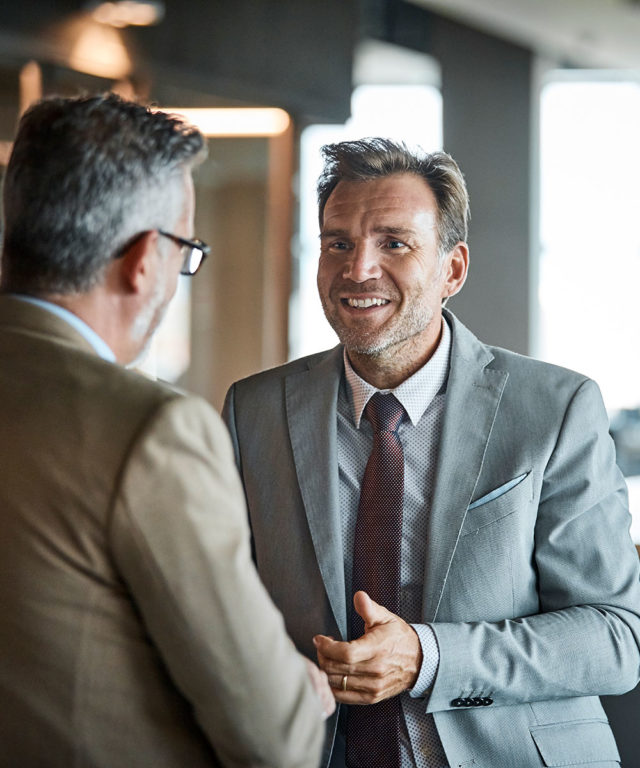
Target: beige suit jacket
[134,629]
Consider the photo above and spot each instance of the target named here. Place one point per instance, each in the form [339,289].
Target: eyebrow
[394,231]
[384,230]
[333,233]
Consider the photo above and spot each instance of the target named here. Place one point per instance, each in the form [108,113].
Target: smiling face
[380,278]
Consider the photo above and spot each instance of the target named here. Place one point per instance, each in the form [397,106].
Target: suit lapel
[473,396]
[311,402]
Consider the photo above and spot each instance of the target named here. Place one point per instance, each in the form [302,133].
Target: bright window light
[589,316]
[590,239]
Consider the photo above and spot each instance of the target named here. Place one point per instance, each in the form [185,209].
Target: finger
[326,695]
[352,683]
[336,668]
[322,687]
[360,690]
[336,652]
[377,666]
[363,683]
[325,650]
[356,697]
[321,637]
[326,646]
[372,613]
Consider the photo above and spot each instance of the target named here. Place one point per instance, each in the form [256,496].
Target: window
[589,318]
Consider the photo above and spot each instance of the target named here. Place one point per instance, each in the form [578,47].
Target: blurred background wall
[538,101]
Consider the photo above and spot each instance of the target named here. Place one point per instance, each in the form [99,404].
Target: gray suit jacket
[531,579]
[134,631]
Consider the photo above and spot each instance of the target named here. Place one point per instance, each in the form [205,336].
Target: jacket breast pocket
[498,503]
[583,742]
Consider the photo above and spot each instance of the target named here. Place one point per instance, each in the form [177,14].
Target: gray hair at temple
[85,177]
[373,158]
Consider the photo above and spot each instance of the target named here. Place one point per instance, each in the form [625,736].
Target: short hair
[86,175]
[373,158]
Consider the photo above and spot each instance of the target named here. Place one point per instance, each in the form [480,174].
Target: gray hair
[86,175]
[373,158]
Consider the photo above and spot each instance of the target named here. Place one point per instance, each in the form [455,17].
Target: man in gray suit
[135,631]
[516,582]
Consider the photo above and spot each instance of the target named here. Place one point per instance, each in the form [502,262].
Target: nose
[363,264]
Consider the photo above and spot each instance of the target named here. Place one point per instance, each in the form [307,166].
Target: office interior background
[537,100]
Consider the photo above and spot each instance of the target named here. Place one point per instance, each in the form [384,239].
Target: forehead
[402,195]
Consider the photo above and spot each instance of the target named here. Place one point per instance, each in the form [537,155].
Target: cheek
[402,277]
[419,279]
[166,291]
[326,275]
[174,277]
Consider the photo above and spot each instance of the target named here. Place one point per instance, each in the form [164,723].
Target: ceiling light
[243,121]
[125,13]
[100,51]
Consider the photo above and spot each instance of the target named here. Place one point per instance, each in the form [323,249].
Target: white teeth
[364,303]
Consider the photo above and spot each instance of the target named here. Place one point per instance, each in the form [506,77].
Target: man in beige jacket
[134,629]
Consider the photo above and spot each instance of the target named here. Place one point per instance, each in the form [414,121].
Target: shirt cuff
[430,661]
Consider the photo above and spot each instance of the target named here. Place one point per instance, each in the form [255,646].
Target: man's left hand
[382,663]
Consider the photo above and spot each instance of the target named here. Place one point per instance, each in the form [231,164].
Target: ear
[456,267]
[138,264]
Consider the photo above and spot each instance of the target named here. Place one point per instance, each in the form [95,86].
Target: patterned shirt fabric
[423,397]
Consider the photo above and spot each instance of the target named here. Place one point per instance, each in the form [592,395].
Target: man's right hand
[323,689]
[382,663]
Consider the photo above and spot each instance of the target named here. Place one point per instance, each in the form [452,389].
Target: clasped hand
[382,663]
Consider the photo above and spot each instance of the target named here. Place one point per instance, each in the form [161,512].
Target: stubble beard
[375,342]
[149,318]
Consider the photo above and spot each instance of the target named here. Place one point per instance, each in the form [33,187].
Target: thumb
[372,613]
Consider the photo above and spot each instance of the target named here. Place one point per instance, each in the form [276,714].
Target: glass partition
[589,268]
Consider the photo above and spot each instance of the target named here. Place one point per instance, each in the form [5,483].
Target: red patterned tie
[373,731]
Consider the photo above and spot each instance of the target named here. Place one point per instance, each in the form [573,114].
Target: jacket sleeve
[181,542]
[585,638]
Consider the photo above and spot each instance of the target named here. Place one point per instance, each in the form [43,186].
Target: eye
[395,244]
[338,245]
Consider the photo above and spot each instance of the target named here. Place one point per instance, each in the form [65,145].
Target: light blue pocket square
[497,492]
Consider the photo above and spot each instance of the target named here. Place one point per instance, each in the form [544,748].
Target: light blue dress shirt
[423,397]
[97,342]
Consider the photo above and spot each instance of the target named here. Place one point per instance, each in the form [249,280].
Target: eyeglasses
[195,252]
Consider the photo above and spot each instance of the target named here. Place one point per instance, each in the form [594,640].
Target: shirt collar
[97,342]
[415,393]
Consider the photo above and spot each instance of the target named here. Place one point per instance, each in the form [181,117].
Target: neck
[97,310]
[390,367]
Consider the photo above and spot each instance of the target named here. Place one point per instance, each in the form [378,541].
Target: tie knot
[385,412]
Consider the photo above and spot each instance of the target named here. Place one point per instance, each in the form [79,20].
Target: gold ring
[344,682]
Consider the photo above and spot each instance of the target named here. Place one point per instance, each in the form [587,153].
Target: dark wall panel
[486,87]
[287,53]
[298,54]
